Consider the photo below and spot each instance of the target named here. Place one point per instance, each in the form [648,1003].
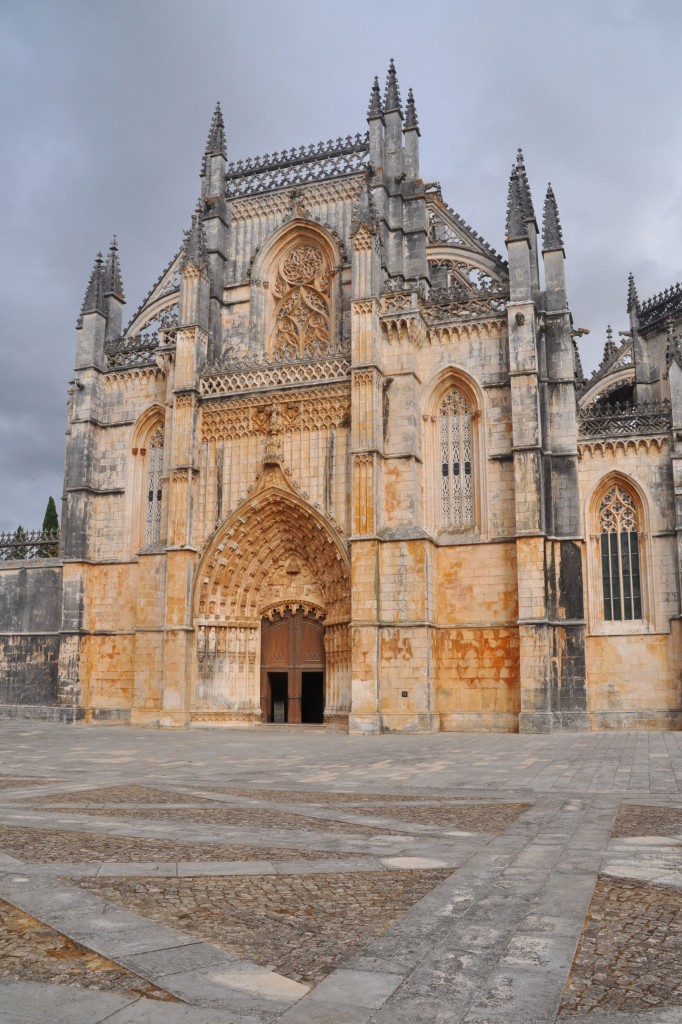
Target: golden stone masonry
[343,467]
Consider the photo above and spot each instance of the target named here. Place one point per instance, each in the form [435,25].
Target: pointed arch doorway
[293,668]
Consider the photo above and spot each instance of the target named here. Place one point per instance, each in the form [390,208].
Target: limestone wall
[634,668]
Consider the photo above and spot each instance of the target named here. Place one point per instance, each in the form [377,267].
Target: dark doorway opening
[292,668]
[278,684]
[312,697]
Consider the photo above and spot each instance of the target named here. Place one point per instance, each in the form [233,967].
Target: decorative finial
[610,348]
[112,282]
[633,298]
[392,91]
[195,243]
[94,293]
[374,109]
[516,225]
[551,226]
[528,210]
[216,145]
[411,120]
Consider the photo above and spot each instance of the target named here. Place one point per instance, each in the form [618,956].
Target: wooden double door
[292,669]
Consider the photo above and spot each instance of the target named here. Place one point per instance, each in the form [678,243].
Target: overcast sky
[105,109]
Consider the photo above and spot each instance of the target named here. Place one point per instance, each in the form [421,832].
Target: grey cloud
[104,111]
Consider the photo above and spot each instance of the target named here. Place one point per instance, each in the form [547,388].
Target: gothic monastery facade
[343,467]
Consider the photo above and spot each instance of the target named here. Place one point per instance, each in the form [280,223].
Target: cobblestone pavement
[54,846]
[316,878]
[643,820]
[630,952]
[29,950]
[302,926]
[121,795]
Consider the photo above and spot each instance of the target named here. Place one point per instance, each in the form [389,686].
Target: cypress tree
[19,549]
[51,528]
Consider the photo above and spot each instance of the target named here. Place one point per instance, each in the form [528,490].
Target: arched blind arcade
[456,461]
[154,486]
[619,539]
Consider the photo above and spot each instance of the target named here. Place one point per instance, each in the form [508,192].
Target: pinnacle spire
[374,109]
[363,214]
[528,211]
[516,221]
[633,298]
[609,348]
[94,293]
[411,120]
[195,243]
[216,145]
[579,373]
[551,226]
[112,282]
[392,91]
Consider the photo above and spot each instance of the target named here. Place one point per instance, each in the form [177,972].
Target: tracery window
[456,461]
[302,290]
[154,486]
[620,547]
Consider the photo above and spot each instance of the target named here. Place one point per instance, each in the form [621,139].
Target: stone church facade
[343,466]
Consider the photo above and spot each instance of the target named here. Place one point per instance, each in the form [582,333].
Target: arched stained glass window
[456,461]
[154,486]
[619,539]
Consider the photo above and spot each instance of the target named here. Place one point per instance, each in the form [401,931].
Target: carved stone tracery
[302,288]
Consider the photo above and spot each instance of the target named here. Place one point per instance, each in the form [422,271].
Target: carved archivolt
[302,288]
[275,548]
[312,409]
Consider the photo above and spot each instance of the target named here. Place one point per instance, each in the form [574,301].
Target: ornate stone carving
[622,446]
[302,288]
[271,375]
[313,409]
[294,167]
[114,380]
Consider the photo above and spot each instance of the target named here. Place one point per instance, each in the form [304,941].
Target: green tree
[51,529]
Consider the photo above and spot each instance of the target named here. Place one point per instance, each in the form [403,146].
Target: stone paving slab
[495,939]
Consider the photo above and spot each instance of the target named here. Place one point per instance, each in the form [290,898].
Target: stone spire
[195,242]
[551,227]
[411,120]
[633,298]
[610,348]
[516,221]
[528,211]
[113,284]
[374,109]
[580,377]
[94,293]
[392,91]
[216,144]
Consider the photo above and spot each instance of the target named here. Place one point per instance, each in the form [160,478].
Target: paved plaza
[305,876]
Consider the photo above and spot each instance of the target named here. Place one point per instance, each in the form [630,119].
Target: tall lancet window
[154,486]
[456,461]
[618,526]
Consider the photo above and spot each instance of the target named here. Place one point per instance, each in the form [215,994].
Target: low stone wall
[30,624]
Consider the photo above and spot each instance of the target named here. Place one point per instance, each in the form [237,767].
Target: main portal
[292,669]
